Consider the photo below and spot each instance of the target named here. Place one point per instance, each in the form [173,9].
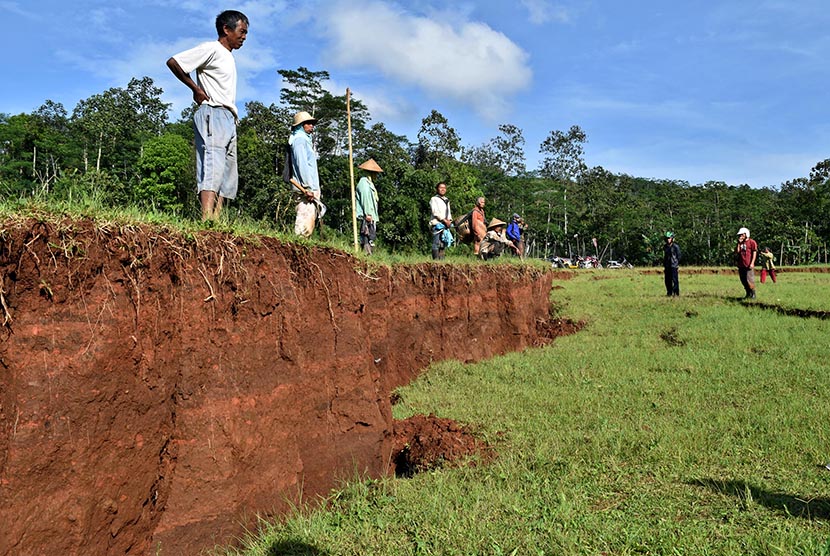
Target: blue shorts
[216,168]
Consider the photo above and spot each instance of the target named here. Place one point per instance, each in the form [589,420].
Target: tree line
[119,148]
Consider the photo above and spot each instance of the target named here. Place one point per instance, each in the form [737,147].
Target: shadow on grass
[786,311]
[789,504]
[294,548]
[757,304]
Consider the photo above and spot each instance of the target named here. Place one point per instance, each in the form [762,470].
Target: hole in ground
[425,442]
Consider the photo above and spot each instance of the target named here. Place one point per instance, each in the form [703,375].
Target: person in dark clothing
[671,262]
[515,233]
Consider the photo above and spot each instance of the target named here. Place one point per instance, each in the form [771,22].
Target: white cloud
[468,61]
[264,15]
[14,8]
[543,11]
[626,47]
[149,58]
[385,107]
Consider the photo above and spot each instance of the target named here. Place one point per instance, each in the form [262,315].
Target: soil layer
[158,391]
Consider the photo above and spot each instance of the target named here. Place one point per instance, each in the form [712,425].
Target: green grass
[50,210]
[666,426]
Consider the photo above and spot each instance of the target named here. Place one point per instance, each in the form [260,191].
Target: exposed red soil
[424,442]
[158,391]
[815,269]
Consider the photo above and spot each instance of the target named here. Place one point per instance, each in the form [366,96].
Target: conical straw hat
[495,223]
[371,166]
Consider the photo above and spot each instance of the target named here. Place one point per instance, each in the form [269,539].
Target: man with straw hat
[306,185]
[366,203]
[495,241]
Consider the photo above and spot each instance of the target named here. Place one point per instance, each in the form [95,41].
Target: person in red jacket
[767,265]
[747,252]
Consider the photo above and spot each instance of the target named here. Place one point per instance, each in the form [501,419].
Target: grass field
[693,425]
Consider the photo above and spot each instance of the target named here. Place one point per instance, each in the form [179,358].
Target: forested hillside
[120,148]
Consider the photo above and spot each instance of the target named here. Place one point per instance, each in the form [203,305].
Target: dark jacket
[671,255]
[514,232]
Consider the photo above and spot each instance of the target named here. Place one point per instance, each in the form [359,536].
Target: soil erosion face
[158,391]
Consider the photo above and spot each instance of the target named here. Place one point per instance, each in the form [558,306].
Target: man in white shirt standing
[215,120]
[440,220]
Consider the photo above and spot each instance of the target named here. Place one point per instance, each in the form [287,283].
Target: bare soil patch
[425,442]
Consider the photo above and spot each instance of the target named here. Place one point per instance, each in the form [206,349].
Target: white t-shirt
[215,72]
[440,208]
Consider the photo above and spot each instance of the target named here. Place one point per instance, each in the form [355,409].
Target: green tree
[332,123]
[437,140]
[16,151]
[262,145]
[302,89]
[53,149]
[184,125]
[509,150]
[113,125]
[564,161]
[166,171]
[564,154]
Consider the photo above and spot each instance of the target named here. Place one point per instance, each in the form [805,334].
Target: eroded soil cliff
[158,391]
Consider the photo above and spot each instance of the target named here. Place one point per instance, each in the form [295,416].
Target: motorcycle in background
[563,262]
[589,262]
[619,264]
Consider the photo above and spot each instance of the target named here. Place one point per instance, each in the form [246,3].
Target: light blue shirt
[304,159]
[366,198]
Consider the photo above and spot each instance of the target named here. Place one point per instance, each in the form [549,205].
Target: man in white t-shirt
[215,120]
[440,220]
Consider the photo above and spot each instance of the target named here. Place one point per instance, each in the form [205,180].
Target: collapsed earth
[160,390]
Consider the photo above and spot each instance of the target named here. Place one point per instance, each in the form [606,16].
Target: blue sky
[727,90]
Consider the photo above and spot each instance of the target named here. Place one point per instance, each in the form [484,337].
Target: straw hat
[371,166]
[303,117]
[495,223]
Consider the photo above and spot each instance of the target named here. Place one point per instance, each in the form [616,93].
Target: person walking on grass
[671,264]
[215,120]
[366,203]
[767,265]
[746,251]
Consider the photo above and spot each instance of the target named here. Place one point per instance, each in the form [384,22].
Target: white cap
[744,231]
